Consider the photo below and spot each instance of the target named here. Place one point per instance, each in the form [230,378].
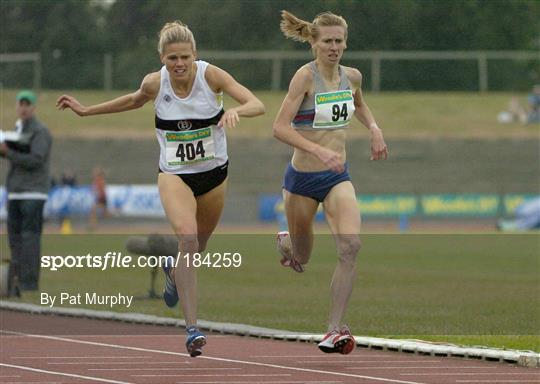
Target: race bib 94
[189,147]
[333,109]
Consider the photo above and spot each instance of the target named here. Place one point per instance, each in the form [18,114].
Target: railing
[277,58]
[34,57]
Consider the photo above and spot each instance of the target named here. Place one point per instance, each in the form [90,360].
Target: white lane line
[64,374]
[215,358]
[351,356]
[471,374]
[260,382]
[366,361]
[32,382]
[221,375]
[79,357]
[421,368]
[300,356]
[261,375]
[497,381]
[163,369]
[164,335]
[119,362]
[5,334]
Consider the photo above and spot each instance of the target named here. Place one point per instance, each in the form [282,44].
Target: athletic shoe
[170,294]
[195,341]
[338,341]
[284,247]
[350,342]
[329,342]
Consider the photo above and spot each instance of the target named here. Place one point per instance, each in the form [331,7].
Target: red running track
[38,349]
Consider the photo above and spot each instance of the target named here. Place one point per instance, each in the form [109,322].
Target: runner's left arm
[362,112]
[250,106]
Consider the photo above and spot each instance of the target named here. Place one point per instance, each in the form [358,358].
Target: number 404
[189,151]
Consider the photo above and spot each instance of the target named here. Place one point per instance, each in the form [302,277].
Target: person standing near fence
[27,184]
[99,192]
[323,96]
[190,126]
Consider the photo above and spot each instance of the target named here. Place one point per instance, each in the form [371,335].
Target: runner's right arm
[148,91]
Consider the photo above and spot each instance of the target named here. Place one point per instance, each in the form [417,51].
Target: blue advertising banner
[143,201]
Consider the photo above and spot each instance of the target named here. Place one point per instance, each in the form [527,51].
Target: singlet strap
[320,86]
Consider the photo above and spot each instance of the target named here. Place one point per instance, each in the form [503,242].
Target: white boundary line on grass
[523,358]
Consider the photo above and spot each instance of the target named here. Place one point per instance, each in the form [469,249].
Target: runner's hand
[66,101]
[331,159]
[379,150]
[229,119]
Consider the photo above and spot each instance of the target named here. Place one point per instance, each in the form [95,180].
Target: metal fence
[278,58]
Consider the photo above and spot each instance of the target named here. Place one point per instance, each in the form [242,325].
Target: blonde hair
[304,31]
[175,32]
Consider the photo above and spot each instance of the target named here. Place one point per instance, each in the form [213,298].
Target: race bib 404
[189,147]
[333,109]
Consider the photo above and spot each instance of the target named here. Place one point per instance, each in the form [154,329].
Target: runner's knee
[348,247]
[183,229]
[187,238]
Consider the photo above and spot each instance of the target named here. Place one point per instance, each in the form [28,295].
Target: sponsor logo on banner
[460,205]
[387,205]
[511,202]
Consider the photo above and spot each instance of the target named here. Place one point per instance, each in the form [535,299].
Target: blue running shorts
[315,185]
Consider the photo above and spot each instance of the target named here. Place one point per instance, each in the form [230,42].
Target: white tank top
[186,129]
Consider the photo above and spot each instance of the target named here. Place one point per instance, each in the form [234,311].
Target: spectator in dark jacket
[28,152]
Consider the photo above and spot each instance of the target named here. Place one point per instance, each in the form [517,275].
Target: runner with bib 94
[323,97]
[190,126]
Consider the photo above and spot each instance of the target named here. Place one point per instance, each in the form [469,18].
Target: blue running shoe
[170,295]
[195,341]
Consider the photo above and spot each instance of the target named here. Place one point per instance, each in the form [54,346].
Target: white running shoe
[338,341]
[284,247]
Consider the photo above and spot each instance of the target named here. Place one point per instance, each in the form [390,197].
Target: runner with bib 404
[190,127]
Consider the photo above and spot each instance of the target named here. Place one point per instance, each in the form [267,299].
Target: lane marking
[31,382]
[337,356]
[421,368]
[261,375]
[214,358]
[79,357]
[497,381]
[64,374]
[471,374]
[366,361]
[74,335]
[260,382]
[161,369]
[228,375]
[120,362]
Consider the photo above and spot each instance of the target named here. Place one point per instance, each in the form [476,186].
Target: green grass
[399,114]
[464,289]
